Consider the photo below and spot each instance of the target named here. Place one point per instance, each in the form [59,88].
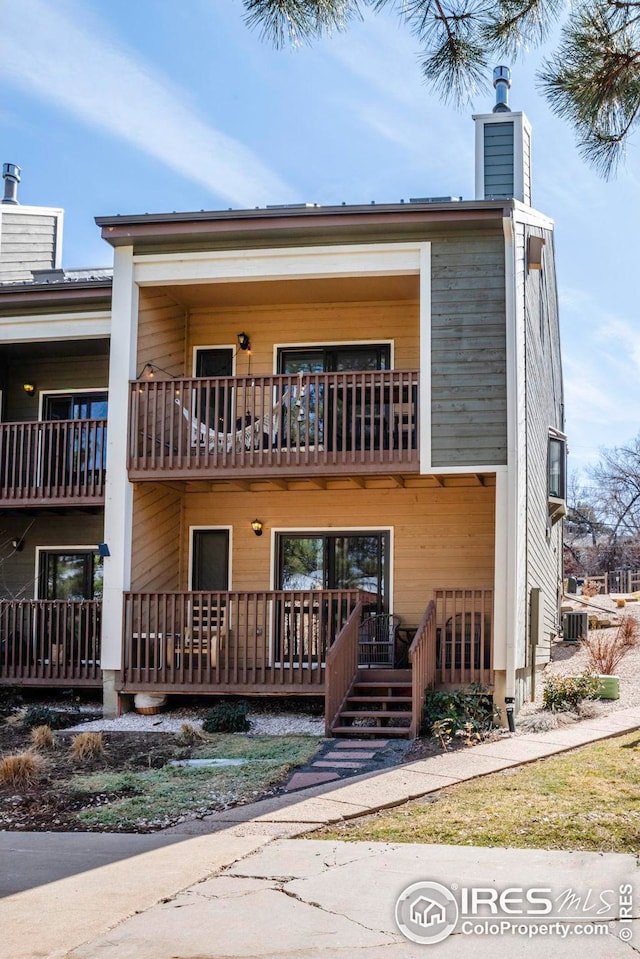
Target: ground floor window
[210,560]
[340,560]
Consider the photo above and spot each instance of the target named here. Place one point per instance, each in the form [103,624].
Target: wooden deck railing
[50,642]
[422,656]
[318,422]
[61,461]
[257,642]
[464,646]
[342,667]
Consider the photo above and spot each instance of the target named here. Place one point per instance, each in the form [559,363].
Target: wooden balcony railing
[422,656]
[44,463]
[464,637]
[346,422]
[50,642]
[342,667]
[275,641]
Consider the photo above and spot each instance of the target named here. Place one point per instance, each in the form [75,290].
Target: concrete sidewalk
[70,916]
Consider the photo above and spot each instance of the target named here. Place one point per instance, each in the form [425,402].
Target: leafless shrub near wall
[606,652]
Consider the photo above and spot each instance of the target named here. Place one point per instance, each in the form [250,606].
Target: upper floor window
[557,474]
[329,359]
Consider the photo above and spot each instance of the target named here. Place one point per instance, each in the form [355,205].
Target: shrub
[590,588]
[42,738]
[621,603]
[227,717]
[467,711]
[43,716]
[87,746]
[567,692]
[21,769]
[190,734]
[605,652]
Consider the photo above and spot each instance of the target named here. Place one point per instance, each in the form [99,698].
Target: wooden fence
[50,642]
[259,642]
[342,666]
[60,461]
[422,656]
[464,652]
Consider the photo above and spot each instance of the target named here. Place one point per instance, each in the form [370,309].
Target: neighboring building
[332,411]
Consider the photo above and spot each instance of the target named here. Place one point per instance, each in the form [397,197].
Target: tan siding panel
[156,537]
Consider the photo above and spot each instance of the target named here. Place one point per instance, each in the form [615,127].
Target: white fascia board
[465,470]
[424,418]
[55,326]
[34,210]
[372,259]
[530,217]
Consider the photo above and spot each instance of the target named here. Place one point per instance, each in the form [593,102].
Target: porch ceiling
[262,485]
[271,292]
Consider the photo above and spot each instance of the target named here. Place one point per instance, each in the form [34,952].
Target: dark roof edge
[308,212]
[57,295]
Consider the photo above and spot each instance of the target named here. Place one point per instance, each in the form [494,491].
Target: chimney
[503,148]
[11,177]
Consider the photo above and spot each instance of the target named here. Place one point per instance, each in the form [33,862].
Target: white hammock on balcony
[247,437]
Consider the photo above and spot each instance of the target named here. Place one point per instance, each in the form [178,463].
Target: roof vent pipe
[502,82]
[11,177]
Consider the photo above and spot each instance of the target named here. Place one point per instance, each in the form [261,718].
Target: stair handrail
[422,656]
[341,667]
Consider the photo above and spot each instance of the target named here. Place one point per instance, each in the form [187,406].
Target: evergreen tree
[592,80]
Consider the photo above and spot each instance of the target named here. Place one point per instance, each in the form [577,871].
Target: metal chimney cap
[502,73]
[502,82]
[11,170]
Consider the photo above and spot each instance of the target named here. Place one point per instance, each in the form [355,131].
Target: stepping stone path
[338,759]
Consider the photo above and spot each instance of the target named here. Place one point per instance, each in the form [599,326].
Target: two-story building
[319,416]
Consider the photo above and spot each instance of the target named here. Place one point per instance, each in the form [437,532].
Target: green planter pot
[609,687]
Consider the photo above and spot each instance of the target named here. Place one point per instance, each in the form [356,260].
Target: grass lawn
[588,799]
[131,799]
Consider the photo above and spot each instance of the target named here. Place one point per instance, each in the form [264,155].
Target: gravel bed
[262,724]
[567,660]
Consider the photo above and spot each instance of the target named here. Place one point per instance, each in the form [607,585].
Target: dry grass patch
[21,769]
[87,746]
[588,799]
[190,735]
[42,738]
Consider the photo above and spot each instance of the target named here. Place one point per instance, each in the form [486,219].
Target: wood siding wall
[441,536]
[306,323]
[27,242]
[468,360]
[161,332]
[18,571]
[54,373]
[544,401]
[157,511]
[498,161]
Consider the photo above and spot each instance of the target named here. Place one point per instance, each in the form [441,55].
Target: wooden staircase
[378,704]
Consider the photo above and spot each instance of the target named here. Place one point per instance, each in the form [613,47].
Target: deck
[52,463]
[274,426]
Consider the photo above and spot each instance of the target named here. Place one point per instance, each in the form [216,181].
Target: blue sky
[114,106]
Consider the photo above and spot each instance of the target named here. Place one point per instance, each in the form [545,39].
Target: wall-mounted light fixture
[17,544]
[103,550]
[244,342]
[256,526]
[29,388]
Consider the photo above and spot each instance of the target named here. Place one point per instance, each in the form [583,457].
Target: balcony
[259,642]
[274,426]
[50,642]
[57,463]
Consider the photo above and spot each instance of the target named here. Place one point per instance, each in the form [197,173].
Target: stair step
[379,699]
[375,714]
[386,675]
[381,685]
[360,731]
